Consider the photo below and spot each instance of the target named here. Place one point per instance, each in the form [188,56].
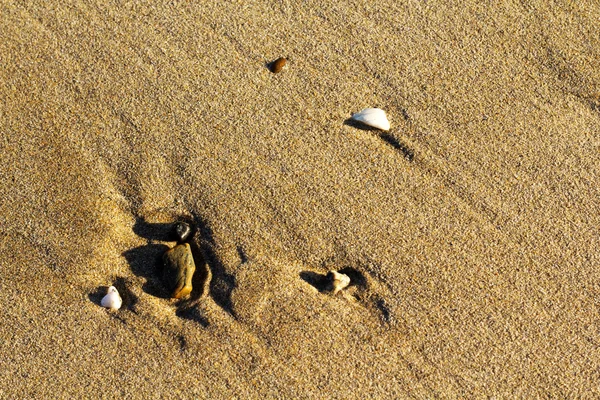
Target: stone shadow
[222,283]
[192,313]
[146,261]
[154,231]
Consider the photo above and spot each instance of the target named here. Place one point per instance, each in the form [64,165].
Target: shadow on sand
[146,261]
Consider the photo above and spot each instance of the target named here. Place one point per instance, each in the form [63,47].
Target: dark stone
[183,230]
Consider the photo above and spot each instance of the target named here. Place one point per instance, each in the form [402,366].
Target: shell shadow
[97,295]
[359,288]
[359,125]
[318,281]
[396,144]
[388,138]
[357,278]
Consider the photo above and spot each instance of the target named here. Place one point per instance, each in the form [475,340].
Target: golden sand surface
[470,230]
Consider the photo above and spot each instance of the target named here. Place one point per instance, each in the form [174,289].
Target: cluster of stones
[179,266]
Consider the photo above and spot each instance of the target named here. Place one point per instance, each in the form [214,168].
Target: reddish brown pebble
[278,64]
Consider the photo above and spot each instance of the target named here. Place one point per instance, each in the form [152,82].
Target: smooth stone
[182,230]
[179,268]
[278,65]
[337,281]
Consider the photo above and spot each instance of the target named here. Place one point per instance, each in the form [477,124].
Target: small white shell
[112,299]
[338,281]
[374,117]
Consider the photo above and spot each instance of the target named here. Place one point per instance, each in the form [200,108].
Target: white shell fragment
[337,281]
[374,117]
[112,299]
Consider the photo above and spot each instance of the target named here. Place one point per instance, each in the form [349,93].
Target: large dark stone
[179,268]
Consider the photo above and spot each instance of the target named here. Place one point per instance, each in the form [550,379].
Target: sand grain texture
[471,227]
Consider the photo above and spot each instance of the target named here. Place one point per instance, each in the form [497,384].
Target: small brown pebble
[278,65]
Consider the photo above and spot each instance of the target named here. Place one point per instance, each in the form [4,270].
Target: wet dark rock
[183,231]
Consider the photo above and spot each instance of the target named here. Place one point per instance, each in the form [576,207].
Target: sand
[470,229]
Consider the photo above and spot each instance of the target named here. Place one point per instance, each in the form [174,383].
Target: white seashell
[337,281]
[374,117]
[112,299]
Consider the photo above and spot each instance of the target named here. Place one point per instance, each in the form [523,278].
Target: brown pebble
[278,65]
